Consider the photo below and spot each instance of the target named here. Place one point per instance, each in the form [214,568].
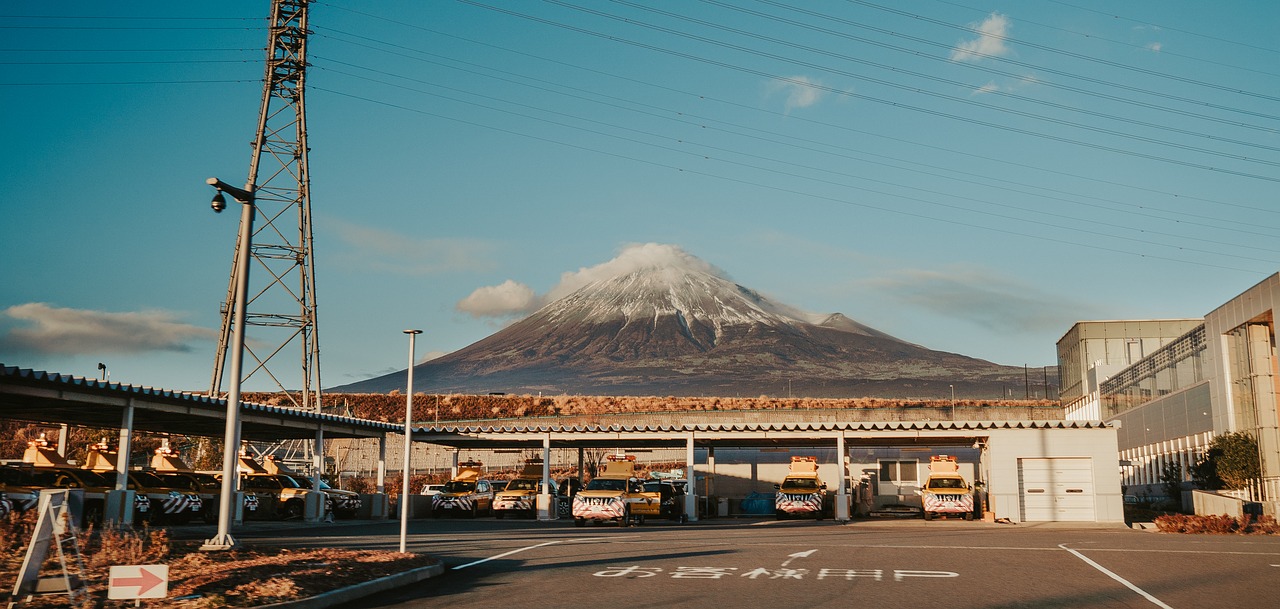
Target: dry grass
[244,577]
[1219,525]
[390,406]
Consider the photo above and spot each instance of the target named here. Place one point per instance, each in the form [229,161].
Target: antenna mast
[283,311]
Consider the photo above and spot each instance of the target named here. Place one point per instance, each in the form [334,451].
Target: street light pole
[231,438]
[408,445]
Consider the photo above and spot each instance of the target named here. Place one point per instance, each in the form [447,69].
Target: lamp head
[219,203]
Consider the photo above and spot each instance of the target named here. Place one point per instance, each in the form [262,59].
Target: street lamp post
[231,438]
[408,445]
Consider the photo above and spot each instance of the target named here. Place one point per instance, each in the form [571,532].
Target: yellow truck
[802,493]
[171,502]
[467,494]
[616,495]
[946,491]
[287,496]
[521,495]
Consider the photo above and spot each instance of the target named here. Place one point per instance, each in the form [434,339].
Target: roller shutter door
[1057,490]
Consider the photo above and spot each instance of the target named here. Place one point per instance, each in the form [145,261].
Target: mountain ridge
[677,329]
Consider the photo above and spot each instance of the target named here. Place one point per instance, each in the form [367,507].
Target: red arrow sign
[148,578]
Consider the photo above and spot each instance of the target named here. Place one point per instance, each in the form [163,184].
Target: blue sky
[969,175]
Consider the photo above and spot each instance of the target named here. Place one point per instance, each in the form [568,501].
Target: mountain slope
[671,329]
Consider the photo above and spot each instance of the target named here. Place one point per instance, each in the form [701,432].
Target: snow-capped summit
[659,321]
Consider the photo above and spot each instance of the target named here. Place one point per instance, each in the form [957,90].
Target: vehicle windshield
[458,486]
[179,481]
[607,484]
[523,484]
[946,483]
[657,487]
[148,480]
[799,485]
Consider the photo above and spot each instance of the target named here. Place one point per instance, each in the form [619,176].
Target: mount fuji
[672,325]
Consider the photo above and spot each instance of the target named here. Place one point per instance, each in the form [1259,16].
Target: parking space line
[1122,580]
[533,547]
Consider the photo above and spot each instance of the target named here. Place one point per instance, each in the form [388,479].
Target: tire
[293,510]
[625,521]
[683,518]
[778,515]
[578,522]
[475,511]
[499,514]
[968,515]
[928,515]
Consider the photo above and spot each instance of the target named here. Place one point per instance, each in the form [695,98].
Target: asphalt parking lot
[765,563]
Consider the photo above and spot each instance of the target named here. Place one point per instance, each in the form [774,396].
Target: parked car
[432,489]
[672,497]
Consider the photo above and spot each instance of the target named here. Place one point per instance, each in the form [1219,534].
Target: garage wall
[1007,447]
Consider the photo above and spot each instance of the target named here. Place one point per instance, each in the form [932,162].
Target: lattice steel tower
[281,310]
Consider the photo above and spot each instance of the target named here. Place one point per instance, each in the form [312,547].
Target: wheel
[293,510]
[928,515]
[968,515]
[625,520]
[475,510]
[777,514]
[683,518]
[578,522]
[639,520]
[499,514]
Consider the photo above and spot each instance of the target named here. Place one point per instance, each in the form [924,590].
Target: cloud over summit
[513,298]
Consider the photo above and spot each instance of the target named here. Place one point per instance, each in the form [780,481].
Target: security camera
[219,203]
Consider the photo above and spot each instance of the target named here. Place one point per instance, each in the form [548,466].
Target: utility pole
[282,306]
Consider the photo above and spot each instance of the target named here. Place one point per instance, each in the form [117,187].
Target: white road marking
[519,550]
[1122,580]
[792,557]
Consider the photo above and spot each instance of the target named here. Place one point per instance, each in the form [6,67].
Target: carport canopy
[42,397]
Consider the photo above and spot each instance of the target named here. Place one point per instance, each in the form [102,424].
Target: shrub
[1217,525]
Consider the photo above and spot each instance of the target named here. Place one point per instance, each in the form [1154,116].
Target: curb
[350,593]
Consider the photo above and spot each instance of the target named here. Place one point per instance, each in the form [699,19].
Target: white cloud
[801,91]
[506,298]
[990,87]
[513,298]
[984,299]
[1154,47]
[44,329]
[375,249]
[989,43]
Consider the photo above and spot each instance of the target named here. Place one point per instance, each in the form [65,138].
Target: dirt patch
[247,576]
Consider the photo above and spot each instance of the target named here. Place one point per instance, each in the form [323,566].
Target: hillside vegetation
[457,407]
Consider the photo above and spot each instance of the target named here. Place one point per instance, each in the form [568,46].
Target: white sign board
[138,581]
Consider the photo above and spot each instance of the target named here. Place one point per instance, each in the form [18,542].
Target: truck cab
[520,497]
[946,491]
[802,493]
[468,493]
[616,495]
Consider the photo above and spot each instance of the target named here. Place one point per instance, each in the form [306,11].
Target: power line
[668,114]
[891,210]
[824,124]
[757,168]
[1165,27]
[979,122]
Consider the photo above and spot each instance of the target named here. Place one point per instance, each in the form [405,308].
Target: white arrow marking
[792,557]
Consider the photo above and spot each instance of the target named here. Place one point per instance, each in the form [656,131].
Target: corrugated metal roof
[60,398]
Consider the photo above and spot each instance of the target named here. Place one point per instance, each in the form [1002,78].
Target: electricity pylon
[281,311]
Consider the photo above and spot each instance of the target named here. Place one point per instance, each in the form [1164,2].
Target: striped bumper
[177,503]
[957,504]
[523,503]
[598,508]
[798,504]
[463,503]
